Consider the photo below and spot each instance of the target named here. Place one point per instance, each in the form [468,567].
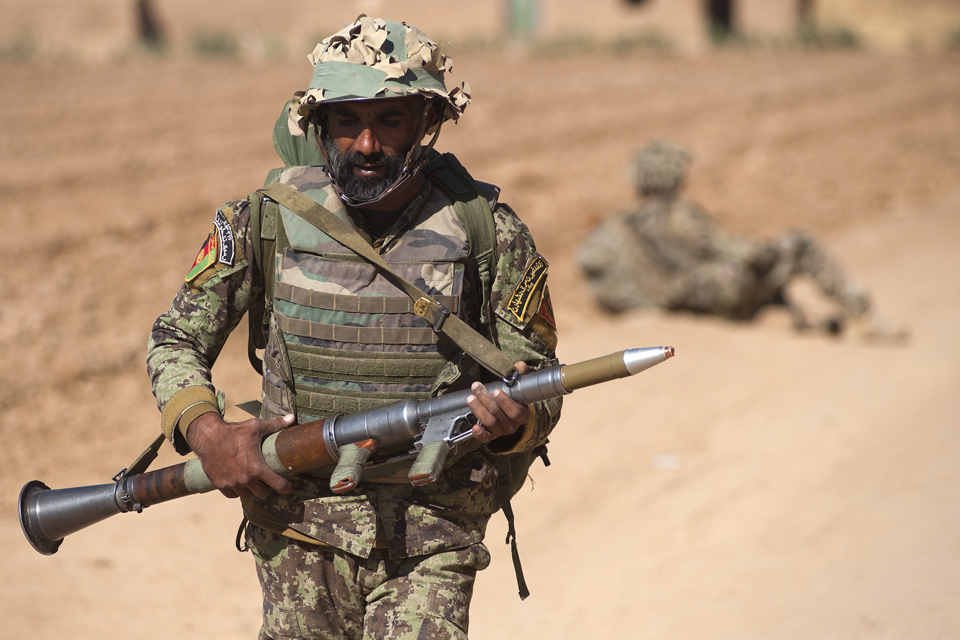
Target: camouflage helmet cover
[375,58]
[658,168]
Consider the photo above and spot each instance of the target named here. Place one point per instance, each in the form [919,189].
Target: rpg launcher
[421,430]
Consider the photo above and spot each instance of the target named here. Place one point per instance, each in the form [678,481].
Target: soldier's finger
[276,424]
[480,411]
[481,434]
[488,401]
[510,408]
[271,480]
[278,483]
[258,488]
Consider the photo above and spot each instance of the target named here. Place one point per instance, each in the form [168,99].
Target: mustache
[363,187]
[373,159]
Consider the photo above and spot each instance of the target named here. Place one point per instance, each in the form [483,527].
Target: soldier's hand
[231,456]
[497,413]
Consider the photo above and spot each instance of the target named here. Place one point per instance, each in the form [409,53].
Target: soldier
[386,559]
[667,253]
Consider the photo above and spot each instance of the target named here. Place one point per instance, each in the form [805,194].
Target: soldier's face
[367,142]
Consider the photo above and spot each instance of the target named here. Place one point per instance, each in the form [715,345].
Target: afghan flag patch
[546,308]
[220,248]
[205,259]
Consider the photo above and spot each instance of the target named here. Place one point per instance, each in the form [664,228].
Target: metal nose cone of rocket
[637,360]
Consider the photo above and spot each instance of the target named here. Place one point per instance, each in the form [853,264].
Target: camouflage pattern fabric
[667,253]
[375,58]
[313,594]
[446,517]
[186,340]
[343,332]
[401,559]
[660,168]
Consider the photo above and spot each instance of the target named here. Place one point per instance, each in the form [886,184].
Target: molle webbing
[319,402]
[364,366]
[355,304]
[467,338]
[356,335]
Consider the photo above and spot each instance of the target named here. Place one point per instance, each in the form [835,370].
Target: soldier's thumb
[277,424]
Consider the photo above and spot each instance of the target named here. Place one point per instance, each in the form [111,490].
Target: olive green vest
[339,336]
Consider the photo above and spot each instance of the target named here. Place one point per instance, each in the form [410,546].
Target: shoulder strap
[264,237]
[144,460]
[475,215]
[478,347]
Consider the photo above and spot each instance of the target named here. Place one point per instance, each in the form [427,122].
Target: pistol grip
[429,463]
[349,468]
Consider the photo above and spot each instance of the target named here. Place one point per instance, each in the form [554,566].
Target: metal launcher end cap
[28,521]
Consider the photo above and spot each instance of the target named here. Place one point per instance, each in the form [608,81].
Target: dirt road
[778,485]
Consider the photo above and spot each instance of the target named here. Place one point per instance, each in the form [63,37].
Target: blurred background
[763,484]
[105,29]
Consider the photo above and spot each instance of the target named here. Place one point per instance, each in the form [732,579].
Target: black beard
[362,188]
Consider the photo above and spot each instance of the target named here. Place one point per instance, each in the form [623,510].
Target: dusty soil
[762,484]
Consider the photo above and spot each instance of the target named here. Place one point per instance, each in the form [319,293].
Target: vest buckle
[423,307]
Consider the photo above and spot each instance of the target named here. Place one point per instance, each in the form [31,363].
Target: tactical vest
[340,336]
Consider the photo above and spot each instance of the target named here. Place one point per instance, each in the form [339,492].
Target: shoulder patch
[220,248]
[205,259]
[543,322]
[533,277]
[546,308]
[226,243]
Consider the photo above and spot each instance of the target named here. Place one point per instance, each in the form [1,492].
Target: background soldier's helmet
[373,59]
[659,168]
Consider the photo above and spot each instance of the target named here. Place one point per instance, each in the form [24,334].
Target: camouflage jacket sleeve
[524,324]
[186,340]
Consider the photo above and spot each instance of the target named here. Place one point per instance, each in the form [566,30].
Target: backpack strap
[474,212]
[263,233]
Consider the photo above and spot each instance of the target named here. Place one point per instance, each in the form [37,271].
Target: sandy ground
[763,484]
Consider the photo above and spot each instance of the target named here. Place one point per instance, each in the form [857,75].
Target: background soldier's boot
[873,328]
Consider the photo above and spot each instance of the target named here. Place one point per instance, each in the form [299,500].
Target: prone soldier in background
[666,252]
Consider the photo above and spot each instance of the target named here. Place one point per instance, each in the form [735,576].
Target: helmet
[659,168]
[371,59]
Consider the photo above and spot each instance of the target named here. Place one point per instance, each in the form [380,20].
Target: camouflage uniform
[668,253]
[390,559]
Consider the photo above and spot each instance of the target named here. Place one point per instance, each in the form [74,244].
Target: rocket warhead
[616,365]
[637,360]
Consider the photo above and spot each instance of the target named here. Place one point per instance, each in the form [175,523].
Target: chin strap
[417,157]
